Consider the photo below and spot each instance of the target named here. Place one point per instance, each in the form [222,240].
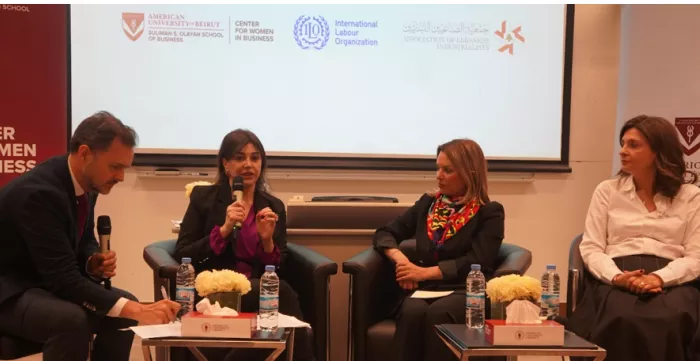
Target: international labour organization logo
[508,37]
[132,23]
[311,32]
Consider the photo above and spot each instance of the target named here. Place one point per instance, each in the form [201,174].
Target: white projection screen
[330,86]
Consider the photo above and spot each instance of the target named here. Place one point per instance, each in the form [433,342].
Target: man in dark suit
[50,265]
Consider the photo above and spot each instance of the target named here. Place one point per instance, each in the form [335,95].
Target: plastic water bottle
[550,292]
[184,290]
[269,299]
[476,297]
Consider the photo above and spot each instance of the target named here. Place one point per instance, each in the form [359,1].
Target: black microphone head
[237,183]
[104,225]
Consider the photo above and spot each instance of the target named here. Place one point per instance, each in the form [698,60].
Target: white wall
[661,56]
[542,216]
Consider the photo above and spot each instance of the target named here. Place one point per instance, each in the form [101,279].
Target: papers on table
[431,294]
[290,322]
[158,331]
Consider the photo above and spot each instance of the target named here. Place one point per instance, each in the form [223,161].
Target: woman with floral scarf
[454,227]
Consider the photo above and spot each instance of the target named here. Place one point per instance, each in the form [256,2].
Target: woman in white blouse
[641,244]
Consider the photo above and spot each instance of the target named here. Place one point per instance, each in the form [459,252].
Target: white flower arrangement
[190,186]
[216,281]
[513,287]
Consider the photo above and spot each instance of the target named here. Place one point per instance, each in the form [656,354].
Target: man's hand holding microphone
[104,265]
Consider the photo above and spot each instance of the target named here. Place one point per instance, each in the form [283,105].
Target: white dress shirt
[116,310]
[618,224]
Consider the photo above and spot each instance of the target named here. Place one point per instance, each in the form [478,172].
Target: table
[278,341]
[465,342]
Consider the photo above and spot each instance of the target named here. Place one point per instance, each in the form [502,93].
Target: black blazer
[207,209]
[478,241]
[39,244]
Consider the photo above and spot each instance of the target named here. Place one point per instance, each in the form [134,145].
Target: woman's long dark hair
[663,140]
[232,143]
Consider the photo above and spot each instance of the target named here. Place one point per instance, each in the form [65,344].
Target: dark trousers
[289,305]
[415,338]
[66,328]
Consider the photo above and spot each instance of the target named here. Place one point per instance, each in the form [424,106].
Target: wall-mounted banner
[33,95]
[689,130]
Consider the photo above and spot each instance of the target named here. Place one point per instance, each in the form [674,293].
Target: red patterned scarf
[446,218]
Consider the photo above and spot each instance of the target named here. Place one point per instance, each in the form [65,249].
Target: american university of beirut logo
[132,23]
[508,37]
[311,32]
[689,129]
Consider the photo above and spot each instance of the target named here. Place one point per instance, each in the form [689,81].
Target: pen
[165,294]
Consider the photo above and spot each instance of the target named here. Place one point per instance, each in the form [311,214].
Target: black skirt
[647,327]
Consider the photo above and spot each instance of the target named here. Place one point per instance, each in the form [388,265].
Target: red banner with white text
[33,86]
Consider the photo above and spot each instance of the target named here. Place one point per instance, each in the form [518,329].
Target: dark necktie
[82,213]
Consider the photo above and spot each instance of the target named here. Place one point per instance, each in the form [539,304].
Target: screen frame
[176,160]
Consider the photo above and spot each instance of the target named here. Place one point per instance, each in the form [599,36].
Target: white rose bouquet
[520,293]
[218,281]
[513,287]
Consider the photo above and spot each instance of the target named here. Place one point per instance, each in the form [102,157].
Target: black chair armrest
[512,259]
[577,272]
[373,295]
[573,290]
[13,347]
[575,259]
[159,257]
[309,272]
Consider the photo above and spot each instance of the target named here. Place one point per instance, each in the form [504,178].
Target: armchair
[374,292]
[309,275]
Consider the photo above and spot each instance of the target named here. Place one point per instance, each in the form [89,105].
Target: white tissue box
[196,324]
[547,333]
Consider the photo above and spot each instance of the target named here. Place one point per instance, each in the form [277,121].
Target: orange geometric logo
[132,23]
[515,33]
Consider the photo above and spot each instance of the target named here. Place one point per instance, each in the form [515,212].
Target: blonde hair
[468,160]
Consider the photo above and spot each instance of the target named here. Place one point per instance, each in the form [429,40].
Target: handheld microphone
[104,230]
[237,194]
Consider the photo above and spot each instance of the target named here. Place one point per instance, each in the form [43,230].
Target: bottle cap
[270,268]
[186,260]
[476,267]
[551,267]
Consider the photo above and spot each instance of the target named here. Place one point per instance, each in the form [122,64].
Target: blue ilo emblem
[311,32]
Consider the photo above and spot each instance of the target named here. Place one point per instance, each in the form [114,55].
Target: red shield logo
[689,129]
[132,23]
